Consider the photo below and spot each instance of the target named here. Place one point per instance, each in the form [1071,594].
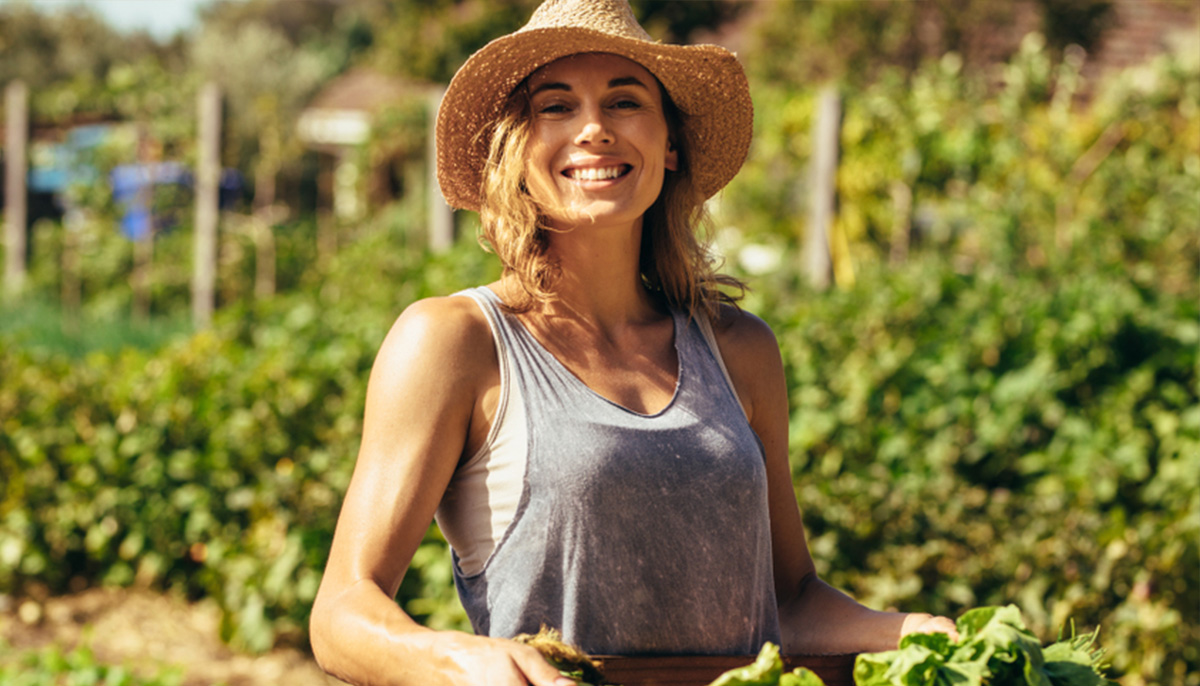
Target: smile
[597,173]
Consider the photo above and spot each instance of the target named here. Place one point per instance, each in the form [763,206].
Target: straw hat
[706,82]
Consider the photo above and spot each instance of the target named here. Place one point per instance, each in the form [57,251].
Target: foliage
[75,667]
[994,647]
[214,465]
[991,437]
[430,40]
[267,82]
[1016,177]
[767,670]
[856,42]
[72,42]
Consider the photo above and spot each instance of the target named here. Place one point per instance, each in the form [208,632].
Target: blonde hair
[676,265]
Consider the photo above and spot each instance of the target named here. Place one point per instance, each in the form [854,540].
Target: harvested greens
[767,670]
[994,648]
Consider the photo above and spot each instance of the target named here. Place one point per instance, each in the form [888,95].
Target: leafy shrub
[216,464]
[979,439]
[77,667]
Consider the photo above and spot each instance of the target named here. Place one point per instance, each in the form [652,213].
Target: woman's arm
[427,399]
[815,618]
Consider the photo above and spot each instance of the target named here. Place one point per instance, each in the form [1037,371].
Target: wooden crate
[835,670]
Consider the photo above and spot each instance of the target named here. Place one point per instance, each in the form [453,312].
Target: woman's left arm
[815,617]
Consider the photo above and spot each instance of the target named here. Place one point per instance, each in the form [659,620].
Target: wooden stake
[208,175]
[441,217]
[822,188]
[16,137]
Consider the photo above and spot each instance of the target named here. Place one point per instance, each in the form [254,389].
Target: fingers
[924,623]
[537,670]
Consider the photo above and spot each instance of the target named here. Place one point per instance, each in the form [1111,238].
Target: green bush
[215,464]
[76,667]
[963,440]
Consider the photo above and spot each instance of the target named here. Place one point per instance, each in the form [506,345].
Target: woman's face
[598,146]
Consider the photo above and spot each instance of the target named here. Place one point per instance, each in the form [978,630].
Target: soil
[148,632]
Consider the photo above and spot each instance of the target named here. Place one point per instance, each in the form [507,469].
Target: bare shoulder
[447,334]
[751,354]
[741,333]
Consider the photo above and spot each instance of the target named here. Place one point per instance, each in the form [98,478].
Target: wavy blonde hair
[676,264]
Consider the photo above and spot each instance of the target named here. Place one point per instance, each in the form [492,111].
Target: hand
[481,661]
[924,623]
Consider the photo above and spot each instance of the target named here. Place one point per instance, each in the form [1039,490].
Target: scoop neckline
[543,350]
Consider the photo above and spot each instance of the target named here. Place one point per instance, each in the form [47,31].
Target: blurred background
[973,225]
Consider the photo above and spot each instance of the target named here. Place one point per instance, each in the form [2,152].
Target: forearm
[361,636]
[819,619]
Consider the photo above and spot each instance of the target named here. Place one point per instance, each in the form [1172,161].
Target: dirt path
[149,631]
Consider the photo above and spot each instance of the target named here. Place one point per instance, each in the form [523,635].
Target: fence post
[16,134]
[441,217]
[822,187]
[208,175]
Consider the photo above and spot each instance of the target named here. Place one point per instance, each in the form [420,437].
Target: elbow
[792,592]
[321,636]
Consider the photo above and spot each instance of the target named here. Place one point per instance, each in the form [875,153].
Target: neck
[600,278]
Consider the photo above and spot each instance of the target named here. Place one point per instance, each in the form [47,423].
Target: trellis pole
[441,217]
[208,175]
[818,264]
[16,135]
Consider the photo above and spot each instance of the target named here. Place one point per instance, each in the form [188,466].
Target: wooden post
[16,134]
[264,251]
[822,188]
[901,236]
[441,217]
[208,175]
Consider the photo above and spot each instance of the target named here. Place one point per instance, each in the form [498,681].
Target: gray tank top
[635,534]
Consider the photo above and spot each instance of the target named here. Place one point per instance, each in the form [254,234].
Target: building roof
[365,90]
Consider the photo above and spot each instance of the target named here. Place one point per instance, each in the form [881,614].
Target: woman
[600,433]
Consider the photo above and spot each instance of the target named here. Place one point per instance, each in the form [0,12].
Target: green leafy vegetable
[994,647]
[767,670]
[764,671]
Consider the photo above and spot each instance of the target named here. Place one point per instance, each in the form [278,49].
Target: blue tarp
[134,187]
[55,166]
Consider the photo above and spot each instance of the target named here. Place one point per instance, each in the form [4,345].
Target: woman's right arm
[426,392]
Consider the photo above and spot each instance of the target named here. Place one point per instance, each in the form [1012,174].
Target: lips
[605,173]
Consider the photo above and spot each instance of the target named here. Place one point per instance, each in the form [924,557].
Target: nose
[593,128]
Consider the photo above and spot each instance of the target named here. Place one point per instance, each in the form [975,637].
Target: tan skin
[435,386]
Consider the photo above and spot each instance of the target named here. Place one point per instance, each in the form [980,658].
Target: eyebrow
[613,83]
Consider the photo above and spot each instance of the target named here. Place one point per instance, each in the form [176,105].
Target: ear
[672,159]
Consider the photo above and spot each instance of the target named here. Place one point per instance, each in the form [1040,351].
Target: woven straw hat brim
[706,82]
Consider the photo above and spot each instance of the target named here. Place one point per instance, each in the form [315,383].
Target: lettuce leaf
[764,671]
[994,648]
[767,670]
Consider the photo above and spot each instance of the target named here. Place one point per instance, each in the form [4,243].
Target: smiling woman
[599,144]
[601,434]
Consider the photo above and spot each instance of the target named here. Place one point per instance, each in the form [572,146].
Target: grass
[38,324]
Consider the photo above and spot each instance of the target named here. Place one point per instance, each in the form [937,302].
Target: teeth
[595,173]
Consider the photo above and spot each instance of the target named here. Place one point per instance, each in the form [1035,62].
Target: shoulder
[448,334]
[751,354]
[742,333]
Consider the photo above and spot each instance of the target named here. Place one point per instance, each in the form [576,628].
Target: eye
[552,108]
[627,104]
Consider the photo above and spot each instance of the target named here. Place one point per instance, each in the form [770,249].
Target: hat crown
[613,17]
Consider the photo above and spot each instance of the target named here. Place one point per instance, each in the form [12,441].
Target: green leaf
[801,677]
[764,671]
